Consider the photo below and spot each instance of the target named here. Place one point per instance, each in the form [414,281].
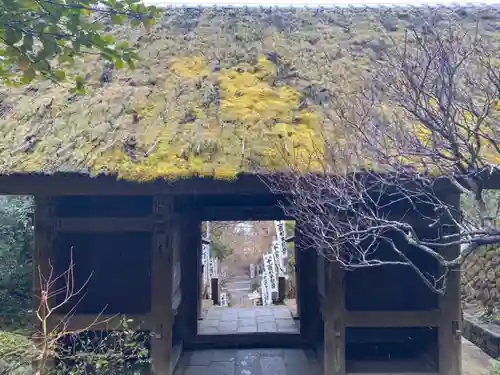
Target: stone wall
[481,279]
[483,335]
[480,295]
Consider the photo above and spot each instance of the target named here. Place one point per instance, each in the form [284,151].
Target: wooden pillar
[296,274]
[334,314]
[161,285]
[191,238]
[44,241]
[281,289]
[215,291]
[44,277]
[308,304]
[450,348]
[200,290]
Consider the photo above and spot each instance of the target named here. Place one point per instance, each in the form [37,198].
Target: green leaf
[55,29]
[154,11]
[131,64]
[108,39]
[60,75]
[147,24]
[24,62]
[49,48]
[117,19]
[64,33]
[42,65]
[119,64]
[12,36]
[28,42]
[65,59]
[79,80]
[28,75]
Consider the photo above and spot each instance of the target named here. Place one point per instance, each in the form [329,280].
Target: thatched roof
[216,90]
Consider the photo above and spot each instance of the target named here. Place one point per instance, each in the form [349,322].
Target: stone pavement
[248,362]
[231,320]
[475,361]
[238,287]
[291,362]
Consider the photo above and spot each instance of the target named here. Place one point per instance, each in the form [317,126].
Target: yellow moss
[192,67]
[226,172]
[146,110]
[265,68]
[263,123]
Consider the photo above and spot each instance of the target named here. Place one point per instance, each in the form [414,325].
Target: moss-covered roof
[217,90]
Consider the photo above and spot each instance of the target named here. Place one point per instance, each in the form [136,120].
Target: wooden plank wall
[92,218]
[337,319]
[111,242]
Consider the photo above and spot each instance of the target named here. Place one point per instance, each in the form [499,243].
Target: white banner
[214,268]
[252,271]
[283,247]
[281,236]
[278,257]
[223,299]
[205,260]
[270,269]
[267,299]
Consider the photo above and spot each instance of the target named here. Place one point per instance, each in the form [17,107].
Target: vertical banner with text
[282,247]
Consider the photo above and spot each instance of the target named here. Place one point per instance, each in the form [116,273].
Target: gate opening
[248,281]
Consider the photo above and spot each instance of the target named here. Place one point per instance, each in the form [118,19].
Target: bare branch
[424,129]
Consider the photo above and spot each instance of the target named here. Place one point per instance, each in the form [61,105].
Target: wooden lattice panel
[115,266]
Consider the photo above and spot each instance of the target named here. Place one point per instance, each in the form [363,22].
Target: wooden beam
[334,316]
[105,224]
[236,213]
[102,322]
[80,184]
[392,318]
[161,286]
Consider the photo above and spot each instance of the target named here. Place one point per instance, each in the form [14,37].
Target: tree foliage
[117,352]
[16,249]
[22,342]
[219,249]
[43,38]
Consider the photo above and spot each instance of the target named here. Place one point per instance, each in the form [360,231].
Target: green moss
[251,119]
[219,91]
